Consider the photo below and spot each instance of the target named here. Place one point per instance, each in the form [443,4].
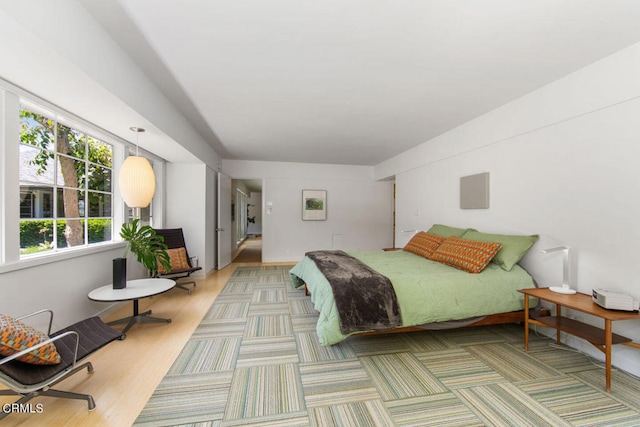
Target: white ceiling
[355,81]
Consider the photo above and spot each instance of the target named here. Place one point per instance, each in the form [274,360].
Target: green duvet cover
[427,291]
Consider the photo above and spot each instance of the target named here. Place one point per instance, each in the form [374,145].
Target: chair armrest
[48,341]
[46,310]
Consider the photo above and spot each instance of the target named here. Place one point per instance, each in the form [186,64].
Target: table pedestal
[137,318]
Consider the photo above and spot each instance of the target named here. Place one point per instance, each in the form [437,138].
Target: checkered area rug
[255,360]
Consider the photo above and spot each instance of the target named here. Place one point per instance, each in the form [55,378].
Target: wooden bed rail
[491,319]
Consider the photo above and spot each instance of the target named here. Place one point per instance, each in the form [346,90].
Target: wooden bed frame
[491,319]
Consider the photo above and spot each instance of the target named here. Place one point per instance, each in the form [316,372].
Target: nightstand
[603,340]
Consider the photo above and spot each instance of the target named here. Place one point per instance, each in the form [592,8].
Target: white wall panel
[187,207]
[62,286]
[358,208]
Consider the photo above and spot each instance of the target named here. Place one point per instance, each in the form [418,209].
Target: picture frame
[314,205]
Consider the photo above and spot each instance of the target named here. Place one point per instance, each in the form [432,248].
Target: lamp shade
[137,182]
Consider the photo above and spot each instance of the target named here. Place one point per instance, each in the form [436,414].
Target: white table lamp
[565,288]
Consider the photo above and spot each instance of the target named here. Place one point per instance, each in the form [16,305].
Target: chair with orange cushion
[31,362]
[181,266]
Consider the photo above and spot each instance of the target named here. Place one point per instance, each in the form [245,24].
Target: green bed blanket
[427,291]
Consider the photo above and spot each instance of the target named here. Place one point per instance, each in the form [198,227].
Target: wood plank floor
[126,373]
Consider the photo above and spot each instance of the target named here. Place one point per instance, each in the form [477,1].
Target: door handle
[219,229]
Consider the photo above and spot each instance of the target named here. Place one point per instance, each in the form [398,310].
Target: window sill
[37,260]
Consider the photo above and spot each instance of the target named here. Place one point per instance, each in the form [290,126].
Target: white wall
[564,164]
[76,65]
[188,209]
[359,210]
[62,285]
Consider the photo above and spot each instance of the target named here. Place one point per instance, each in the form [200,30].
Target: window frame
[58,187]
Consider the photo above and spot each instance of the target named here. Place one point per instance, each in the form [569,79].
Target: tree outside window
[65,186]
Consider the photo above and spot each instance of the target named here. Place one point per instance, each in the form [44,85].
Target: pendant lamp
[137,181]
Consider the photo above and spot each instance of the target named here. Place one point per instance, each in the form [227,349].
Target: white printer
[614,300]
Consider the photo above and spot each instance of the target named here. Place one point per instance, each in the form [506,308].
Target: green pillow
[513,247]
[446,231]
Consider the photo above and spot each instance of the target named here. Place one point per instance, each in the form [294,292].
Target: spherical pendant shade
[137,182]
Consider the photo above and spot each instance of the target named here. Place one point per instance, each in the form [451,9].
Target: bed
[430,294]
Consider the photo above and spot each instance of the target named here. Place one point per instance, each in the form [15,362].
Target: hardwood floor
[126,373]
[249,251]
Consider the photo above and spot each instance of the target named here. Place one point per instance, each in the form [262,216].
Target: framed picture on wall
[314,205]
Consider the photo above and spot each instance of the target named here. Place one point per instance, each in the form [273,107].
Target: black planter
[119,273]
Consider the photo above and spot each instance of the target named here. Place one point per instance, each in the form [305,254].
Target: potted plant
[148,247]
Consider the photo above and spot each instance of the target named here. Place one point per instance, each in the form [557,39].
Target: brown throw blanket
[365,299]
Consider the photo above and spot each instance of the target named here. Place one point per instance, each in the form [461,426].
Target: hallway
[250,250]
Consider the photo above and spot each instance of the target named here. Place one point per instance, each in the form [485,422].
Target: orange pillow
[178,259]
[15,336]
[468,255]
[424,244]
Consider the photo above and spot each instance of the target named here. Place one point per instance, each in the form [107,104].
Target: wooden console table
[603,340]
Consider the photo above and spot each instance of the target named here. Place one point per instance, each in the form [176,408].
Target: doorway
[246,201]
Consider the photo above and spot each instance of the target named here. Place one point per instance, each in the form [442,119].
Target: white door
[224,221]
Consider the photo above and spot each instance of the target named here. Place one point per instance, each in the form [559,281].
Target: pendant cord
[137,130]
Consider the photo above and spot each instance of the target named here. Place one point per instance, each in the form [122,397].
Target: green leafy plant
[148,247]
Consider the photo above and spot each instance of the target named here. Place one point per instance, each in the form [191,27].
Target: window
[65,186]
[143,214]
